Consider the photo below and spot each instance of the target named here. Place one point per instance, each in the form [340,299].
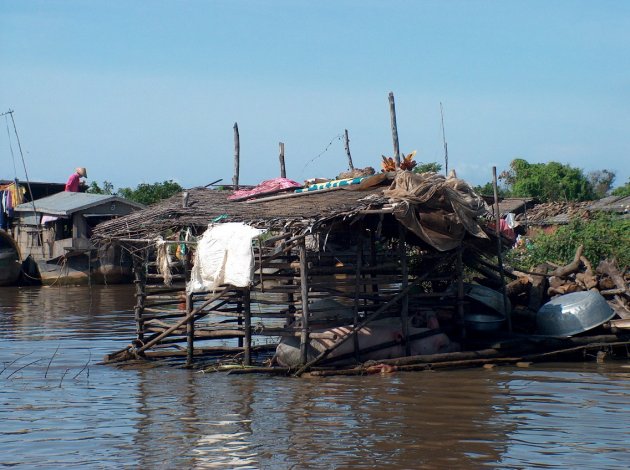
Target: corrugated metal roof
[66,203]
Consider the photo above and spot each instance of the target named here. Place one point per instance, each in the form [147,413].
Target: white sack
[224,256]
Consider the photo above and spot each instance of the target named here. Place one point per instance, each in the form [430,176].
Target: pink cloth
[73,183]
[266,187]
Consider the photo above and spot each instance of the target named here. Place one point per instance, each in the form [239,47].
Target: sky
[148,91]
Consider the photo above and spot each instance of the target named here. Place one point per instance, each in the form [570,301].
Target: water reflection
[58,407]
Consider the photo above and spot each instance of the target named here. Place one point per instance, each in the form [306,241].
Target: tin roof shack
[340,276]
[55,232]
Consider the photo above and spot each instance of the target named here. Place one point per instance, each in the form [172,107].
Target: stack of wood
[530,290]
[542,212]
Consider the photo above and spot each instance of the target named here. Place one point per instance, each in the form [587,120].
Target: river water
[60,408]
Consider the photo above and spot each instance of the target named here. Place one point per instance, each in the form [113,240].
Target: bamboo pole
[247,357]
[304,292]
[404,311]
[190,331]
[346,143]
[460,291]
[357,287]
[237,156]
[508,314]
[283,170]
[139,282]
[392,115]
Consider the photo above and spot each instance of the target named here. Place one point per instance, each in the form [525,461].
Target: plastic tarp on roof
[437,209]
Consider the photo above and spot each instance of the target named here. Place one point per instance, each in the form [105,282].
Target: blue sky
[144,91]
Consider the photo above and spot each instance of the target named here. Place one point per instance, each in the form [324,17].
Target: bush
[603,236]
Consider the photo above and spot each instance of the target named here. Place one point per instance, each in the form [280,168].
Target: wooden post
[392,114]
[239,320]
[346,143]
[190,331]
[247,356]
[283,170]
[508,314]
[304,339]
[373,261]
[140,285]
[357,287]
[404,309]
[237,156]
[460,291]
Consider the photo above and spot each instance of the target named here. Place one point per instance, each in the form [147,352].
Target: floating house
[54,232]
[346,278]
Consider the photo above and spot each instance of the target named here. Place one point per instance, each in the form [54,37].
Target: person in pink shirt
[73,182]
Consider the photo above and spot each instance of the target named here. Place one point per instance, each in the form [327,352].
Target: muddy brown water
[59,408]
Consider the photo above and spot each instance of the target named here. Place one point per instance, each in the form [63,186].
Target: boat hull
[10,266]
[111,266]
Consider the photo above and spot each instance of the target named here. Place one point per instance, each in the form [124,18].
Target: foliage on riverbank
[603,236]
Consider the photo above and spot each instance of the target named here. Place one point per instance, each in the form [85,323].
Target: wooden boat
[54,233]
[10,266]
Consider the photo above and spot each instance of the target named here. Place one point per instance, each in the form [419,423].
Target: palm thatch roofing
[275,213]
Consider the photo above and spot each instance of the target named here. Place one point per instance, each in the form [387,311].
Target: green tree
[603,236]
[601,181]
[94,188]
[426,167]
[488,190]
[622,191]
[551,181]
[150,193]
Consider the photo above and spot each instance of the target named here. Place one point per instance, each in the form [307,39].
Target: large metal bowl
[574,313]
[482,322]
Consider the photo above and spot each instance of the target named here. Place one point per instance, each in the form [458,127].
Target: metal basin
[483,322]
[574,313]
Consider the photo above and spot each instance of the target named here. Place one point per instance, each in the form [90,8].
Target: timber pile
[548,210]
[529,291]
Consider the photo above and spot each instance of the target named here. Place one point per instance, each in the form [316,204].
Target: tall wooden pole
[346,143]
[237,156]
[392,114]
[508,314]
[283,170]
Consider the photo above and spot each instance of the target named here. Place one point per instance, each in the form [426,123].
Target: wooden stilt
[404,309]
[190,331]
[247,311]
[508,314]
[140,285]
[460,292]
[357,288]
[304,340]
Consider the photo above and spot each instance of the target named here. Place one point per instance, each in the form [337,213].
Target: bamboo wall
[354,266]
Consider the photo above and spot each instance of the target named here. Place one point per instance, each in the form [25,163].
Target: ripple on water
[66,410]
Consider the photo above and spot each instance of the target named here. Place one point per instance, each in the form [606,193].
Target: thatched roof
[205,205]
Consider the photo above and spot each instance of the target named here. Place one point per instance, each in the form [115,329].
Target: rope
[6,120]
